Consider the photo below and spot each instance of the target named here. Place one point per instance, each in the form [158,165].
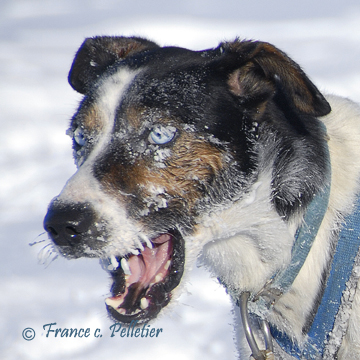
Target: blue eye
[79,136]
[162,134]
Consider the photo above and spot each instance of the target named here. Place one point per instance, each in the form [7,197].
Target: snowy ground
[38,39]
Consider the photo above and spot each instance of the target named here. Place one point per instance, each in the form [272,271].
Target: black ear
[96,54]
[265,71]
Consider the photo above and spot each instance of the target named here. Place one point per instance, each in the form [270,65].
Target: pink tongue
[151,262]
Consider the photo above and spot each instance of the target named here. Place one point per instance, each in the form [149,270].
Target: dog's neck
[248,242]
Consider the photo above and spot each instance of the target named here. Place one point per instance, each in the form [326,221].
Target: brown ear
[96,54]
[267,70]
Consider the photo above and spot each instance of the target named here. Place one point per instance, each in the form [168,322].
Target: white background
[38,39]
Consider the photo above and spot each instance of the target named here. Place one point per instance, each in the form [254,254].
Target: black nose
[68,224]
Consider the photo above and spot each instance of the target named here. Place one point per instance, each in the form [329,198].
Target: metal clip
[270,294]
[257,354]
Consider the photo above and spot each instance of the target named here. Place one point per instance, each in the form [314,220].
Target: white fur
[249,234]
[248,242]
[82,187]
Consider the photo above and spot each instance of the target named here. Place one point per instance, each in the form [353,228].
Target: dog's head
[163,137]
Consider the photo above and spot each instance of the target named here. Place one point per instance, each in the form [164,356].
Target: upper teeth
[125,266]
[109,264]
[114,262]
[135,252]
[147,241]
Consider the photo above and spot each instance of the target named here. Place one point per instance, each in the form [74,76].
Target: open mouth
[142,283]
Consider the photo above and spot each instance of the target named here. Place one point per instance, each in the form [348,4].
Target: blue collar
[304,239]
[347,248]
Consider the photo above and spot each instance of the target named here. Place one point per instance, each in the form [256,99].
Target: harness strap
[343,269]
[342,318]
[331,320]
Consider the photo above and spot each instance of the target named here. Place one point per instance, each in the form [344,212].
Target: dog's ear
[96,54]
[265,72]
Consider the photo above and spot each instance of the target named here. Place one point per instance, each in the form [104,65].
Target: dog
[229,156]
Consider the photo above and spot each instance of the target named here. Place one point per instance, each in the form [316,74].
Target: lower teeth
[115,304]
[144,303]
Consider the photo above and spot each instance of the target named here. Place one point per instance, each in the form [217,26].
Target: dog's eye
[162,134]
[79,136]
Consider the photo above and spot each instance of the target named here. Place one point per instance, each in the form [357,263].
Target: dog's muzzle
[71,228]
[143,279]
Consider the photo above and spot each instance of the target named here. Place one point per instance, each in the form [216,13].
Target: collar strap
[304,239]
[281,282]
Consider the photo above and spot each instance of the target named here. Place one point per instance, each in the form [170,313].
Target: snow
[38,39]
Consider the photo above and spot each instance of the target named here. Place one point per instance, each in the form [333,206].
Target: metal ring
[256,353]
[267,335]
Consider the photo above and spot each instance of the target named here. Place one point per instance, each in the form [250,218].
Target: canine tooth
[141,247]
[135,251]
[158,278]
[144,303]
[115,304]
[125,266]
[114,262]
[167,265]
[149,244]
[147,241]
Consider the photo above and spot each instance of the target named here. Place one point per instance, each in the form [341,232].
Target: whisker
[35,242]
[47,253]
